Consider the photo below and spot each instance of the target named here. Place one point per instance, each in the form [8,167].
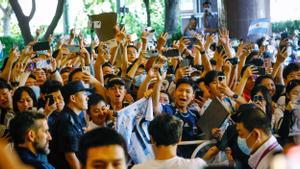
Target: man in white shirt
[165,131]
[255,134]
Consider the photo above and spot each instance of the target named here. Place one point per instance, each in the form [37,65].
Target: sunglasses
[257,98]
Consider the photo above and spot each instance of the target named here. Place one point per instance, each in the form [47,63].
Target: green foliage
[288,26]
[9,42]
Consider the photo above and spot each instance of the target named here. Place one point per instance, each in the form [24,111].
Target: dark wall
[240,13]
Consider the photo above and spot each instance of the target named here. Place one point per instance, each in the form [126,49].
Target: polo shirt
[38,161]
[69,127]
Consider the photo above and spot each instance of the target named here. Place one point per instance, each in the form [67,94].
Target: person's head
[268,82]
[262,98]
[97,109]
[206,7]
[253,126]
[213,80]
[165,130]
[6,100]
[31,81]
[30,130]
[164,98]
[102,148]
[24,99]
[193,22]
[53,87]
[40,76]
[116,89]
[184,92]
[107,68]
[291,72]
[250,81]
[132,53]
[293,90]
[75,95]
[65,72]
[76,75]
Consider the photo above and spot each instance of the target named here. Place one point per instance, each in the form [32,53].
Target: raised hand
[162,41]
[224,36]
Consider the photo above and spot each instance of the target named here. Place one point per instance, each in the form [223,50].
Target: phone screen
[41,46]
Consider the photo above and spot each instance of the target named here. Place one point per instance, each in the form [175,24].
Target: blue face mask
[242,144]
[139,79]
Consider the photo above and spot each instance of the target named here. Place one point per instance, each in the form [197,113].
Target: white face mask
[207,10]
[242,144]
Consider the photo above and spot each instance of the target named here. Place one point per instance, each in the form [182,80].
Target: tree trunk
[57,16]
[147,5]
[66,15]
[171,16]
[23,20]
[7,12]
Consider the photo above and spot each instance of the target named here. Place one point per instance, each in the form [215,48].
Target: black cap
[72,88]
[113,81]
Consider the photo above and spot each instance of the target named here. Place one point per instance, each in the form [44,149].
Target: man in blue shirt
[70,126]
[210,20]
[30,134]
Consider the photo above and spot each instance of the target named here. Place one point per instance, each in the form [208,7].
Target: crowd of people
[62,114]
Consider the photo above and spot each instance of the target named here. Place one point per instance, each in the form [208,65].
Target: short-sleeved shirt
[69,127]
[38,161]
[190,118]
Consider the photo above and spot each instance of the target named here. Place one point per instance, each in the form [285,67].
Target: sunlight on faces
[293,75]
[106,157]
[58,100]
[107,70]
[213,88]
[40,76]
[5,98]
[184,94]
[164,98]
[25,102]
[98,113]
[30,82]
[294,94]
[270,85]
[116,93]
[65,77]
[42,137]
[131,54]
[80,100]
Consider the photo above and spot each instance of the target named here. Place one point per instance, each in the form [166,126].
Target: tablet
[213,117]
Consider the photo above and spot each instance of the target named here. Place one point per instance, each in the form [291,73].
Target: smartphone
[41,64]
[171,53]
[220,48]
[50,99]
[233,61]
[185,63]
[30,67]
[164,68]
[41,46]
[86,69]
[198,93]
[261,70]
[73,48]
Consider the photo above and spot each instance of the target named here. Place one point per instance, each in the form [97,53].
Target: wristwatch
[235,96]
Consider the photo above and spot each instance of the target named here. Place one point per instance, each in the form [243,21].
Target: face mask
[139,79]
[207,10]
[242,144]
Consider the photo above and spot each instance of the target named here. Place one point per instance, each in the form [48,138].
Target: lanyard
[269,149]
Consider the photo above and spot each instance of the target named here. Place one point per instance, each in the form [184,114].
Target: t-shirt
[173,163]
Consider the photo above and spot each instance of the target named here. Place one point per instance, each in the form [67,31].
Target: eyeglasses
[257,98]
